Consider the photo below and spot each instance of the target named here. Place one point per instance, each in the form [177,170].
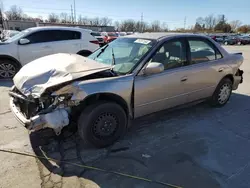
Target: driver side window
[172,54]
[41,36]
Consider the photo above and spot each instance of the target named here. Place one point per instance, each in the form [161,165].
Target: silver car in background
[130,77]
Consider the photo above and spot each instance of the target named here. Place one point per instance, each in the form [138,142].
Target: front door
[166,89]
[41,44]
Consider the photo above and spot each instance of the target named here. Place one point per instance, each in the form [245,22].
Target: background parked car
[99,37]
[121,34]
[230,40]
[243,40]
[36,42]
[111,36]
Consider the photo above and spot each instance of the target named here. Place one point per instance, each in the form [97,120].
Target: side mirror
[24,41]
[153,68]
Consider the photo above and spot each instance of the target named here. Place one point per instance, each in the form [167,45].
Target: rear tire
[102,124]
[222,93]
[8,68]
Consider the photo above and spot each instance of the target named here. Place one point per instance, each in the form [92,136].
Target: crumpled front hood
[40,74]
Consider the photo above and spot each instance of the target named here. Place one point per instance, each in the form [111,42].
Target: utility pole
[1,20]
[185,20]
[72,19]
[141,22]
[75,10]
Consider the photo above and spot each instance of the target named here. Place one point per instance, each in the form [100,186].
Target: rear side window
[202,51]
[66,35]
[53,35]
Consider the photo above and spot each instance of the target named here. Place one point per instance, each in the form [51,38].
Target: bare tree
[235,24]
[65,18]
[117,25]
[95,21]
[105,21]
[210,21]
[128,25]
[164,26]
[156,26]
[15,13]
[53,18]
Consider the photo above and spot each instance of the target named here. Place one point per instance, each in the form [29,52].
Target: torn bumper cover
[56,119]
[238,79]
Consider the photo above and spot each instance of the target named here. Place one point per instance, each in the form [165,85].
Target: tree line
[209,23]
[219,23]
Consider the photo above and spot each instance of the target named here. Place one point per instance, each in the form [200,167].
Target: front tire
[222,93]
[8,68]
[102,124]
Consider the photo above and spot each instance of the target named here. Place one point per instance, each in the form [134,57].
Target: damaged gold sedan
[130,77]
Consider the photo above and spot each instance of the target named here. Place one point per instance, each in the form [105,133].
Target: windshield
[95,34]
[126,51]
[17,36]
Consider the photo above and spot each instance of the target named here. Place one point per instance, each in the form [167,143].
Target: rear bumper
[238,79]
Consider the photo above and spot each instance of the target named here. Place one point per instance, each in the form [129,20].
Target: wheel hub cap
[7,70]
[105,125]
[224,94]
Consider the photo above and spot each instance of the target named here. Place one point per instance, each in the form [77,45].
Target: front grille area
[28,107]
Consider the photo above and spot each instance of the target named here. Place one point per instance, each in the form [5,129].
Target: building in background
[20,25]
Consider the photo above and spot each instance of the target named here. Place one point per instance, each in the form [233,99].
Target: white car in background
[37,42]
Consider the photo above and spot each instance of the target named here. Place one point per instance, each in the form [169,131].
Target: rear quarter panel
[85,44]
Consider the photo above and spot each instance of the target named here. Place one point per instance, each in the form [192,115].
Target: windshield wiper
[113,57]
[102,50]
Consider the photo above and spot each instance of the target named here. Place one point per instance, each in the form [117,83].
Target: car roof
[159,36]
[40,28]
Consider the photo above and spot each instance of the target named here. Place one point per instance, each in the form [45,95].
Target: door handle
[220,69]
[183,79]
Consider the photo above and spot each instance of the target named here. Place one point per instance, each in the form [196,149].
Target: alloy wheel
[7,70]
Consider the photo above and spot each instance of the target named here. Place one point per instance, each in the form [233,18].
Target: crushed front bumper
[56,119]
[19,116]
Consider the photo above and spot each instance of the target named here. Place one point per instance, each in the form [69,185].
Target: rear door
[206,68]
[66,41]
[41,44]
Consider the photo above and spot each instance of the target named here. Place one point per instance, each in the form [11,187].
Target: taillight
[94,41]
